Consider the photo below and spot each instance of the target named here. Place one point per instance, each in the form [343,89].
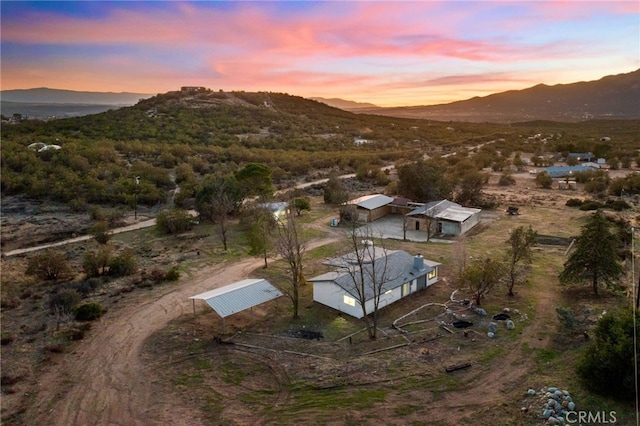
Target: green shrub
[174,221]
[64,301]
[567,317]
[124,264]
[607,363]
[506,179]
[618,205]
[48,265]
[574,202]
[172,274]
[89,311]
[544,180]
[100,232]
[591,205]
[87,286]
[96,263]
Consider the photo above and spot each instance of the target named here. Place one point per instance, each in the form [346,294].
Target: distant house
[190,89]
[403,274]
[582,156]
[279,210]
[568,171]
[448,217]
[370,207]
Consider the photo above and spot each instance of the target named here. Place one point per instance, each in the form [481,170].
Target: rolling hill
[611,97]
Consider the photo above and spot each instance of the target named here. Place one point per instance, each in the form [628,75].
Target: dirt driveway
[106,381]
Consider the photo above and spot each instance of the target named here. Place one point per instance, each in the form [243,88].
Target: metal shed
[371,207]
[238,296]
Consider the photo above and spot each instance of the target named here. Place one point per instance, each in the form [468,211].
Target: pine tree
[594,258]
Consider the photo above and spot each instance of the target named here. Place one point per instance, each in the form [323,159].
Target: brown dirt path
[503,381]
[105,381]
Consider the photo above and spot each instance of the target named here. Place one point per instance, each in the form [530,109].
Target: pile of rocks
[554,404]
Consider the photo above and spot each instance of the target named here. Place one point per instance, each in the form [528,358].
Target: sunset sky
[387,53]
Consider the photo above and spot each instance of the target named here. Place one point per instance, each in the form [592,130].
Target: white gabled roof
[239,296]
[371,202]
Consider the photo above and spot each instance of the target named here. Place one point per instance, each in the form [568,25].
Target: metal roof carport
[238,296]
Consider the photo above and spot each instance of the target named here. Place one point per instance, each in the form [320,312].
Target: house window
[406,289]
[432,274]
[348,300]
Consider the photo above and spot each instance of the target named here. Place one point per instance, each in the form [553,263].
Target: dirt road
[133,227]
[106,381]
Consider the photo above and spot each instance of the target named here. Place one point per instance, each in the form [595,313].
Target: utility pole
[135,198]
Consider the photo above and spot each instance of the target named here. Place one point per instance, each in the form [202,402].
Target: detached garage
[371,207]
[237,297]
[448,218]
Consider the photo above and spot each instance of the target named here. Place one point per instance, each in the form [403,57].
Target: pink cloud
[378,29]
[351,47]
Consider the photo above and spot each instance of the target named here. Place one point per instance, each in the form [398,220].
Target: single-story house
[369,208]
[582,156]
[565,171]
[400,274]
[447,217]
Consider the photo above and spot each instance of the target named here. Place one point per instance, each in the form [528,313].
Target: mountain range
[44,95]
[56,103]
[613,97]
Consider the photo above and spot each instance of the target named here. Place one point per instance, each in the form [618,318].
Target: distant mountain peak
[345,104]
[610,97]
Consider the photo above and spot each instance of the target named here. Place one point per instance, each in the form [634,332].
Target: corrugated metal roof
[446,210]
[371,202]
[432,208]
[561,171]
[239,296]
[457,214]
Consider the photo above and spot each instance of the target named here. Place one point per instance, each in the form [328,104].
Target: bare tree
[405,226]
[291,246]
[431,222]
[217,200]
[460,256]
[368,268]
[430,219]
